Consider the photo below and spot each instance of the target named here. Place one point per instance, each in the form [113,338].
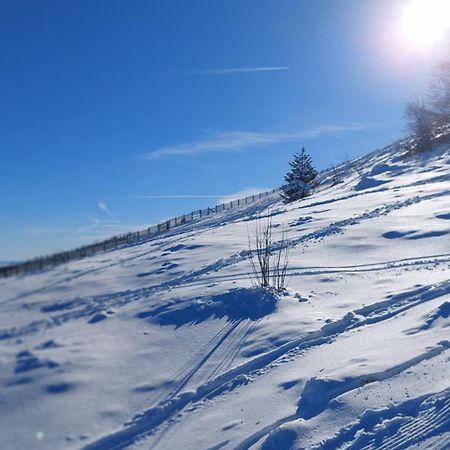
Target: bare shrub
[354,165]
[429,120]
[420,122]
[335,175]
[440,93]
[269,260]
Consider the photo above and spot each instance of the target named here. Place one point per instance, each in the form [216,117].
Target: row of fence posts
[115,242]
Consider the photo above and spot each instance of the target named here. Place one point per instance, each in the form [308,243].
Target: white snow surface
[166,344]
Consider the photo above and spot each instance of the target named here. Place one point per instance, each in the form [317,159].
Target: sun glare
[425,22]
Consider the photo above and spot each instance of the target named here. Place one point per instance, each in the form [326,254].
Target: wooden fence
[115,242]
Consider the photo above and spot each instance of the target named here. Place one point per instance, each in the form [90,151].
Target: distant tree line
[428,117]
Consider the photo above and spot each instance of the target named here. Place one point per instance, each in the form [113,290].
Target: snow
[167,344]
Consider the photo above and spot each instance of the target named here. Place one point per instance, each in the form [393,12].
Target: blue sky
[109,108]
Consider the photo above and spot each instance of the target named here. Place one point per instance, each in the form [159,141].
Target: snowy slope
[166,345]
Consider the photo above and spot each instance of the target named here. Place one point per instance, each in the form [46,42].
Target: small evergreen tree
[300,179]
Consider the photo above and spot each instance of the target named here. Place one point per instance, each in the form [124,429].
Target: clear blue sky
[105,104]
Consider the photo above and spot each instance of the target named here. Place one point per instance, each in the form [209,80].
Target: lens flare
[40,435]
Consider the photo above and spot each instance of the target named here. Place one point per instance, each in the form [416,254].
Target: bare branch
[268,260]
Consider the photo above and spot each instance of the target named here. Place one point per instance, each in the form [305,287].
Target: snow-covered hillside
[166,345]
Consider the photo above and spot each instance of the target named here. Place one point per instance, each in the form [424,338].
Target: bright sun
[425,22]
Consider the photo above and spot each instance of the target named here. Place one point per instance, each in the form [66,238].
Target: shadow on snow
[236,304]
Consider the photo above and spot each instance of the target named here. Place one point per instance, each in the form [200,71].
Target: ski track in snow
[211,371]
[318,398]
[399,427]
[372,314]
[88,307]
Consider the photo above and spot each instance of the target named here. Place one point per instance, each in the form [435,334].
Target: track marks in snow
[226,337]
[318,393]
[398,427]
[163,241]
[329,230]
[232,347]
[202,358]
[146,422]
[91,305]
